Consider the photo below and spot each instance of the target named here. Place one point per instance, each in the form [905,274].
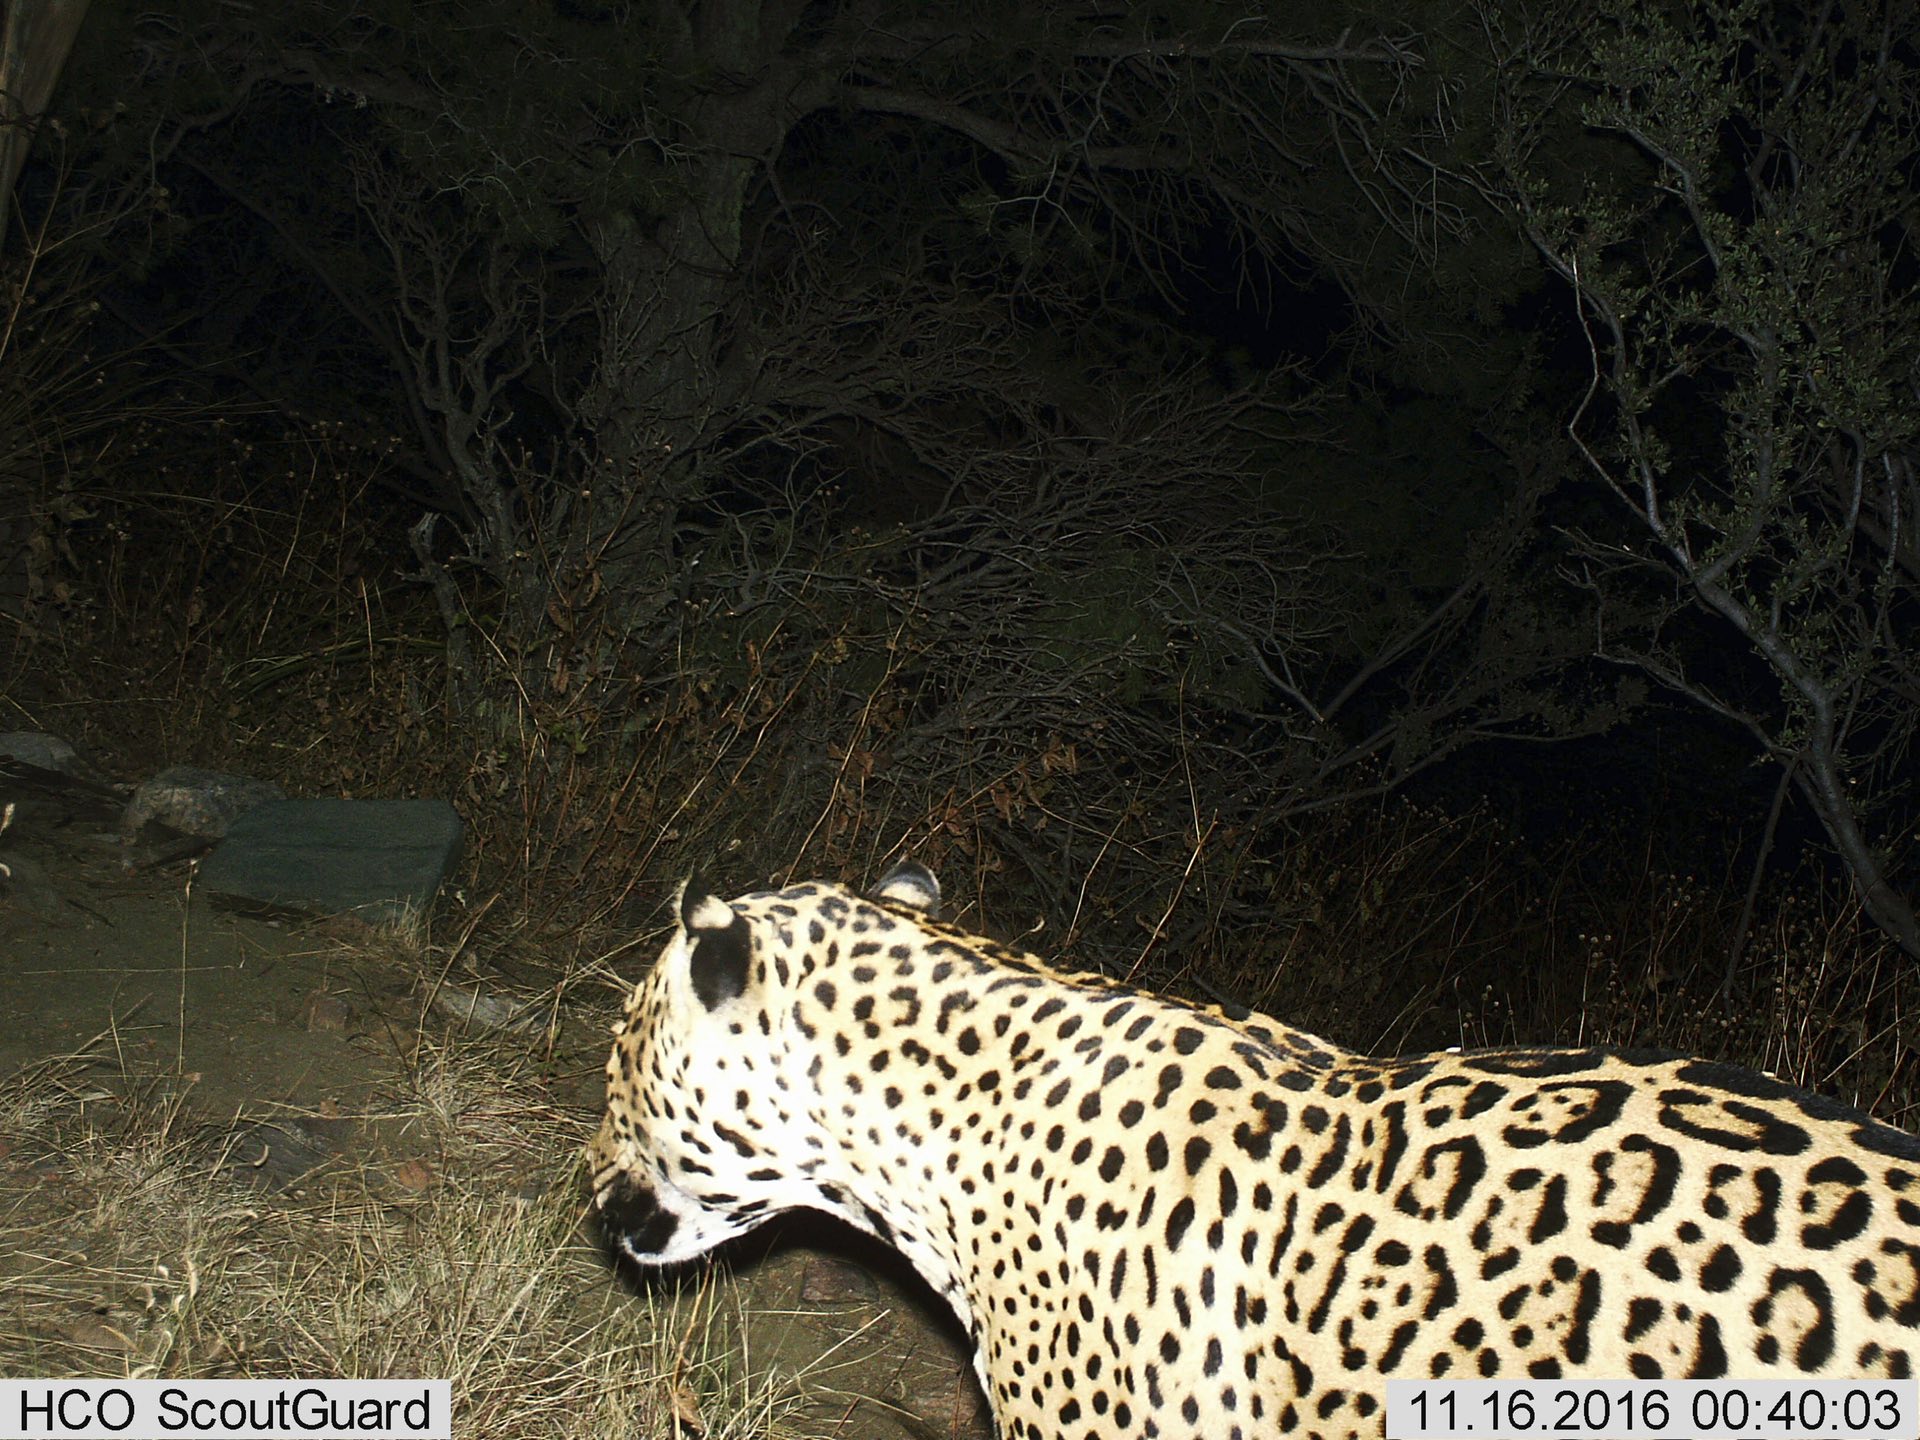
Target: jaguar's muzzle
[634,1217]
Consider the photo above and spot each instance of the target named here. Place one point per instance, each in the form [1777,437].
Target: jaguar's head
[711,1123]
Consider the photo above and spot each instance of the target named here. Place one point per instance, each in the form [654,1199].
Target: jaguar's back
[1163,1220]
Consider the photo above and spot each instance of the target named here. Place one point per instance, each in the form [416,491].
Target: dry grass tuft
[128,1247]
[1397,928]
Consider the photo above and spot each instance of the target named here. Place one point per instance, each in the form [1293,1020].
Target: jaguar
[1160,1219]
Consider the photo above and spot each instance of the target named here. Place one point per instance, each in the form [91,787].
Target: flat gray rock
[47,752]
[378,860]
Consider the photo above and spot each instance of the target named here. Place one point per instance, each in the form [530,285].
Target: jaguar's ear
[719,949]
[911,885]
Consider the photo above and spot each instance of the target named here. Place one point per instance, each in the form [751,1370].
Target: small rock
[24,886]
[60,795]
[326,1013]
[953,1405]
[829,1280]
[414,1175]
[278,1154]
[92,1333]
[487,1011]
[532,1190]
[190,801]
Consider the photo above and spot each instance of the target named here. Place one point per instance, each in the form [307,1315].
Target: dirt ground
[286,1035]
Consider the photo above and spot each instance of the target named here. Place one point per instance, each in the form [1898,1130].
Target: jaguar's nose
[632,1214]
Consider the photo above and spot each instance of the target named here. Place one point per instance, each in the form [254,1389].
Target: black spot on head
[719,959]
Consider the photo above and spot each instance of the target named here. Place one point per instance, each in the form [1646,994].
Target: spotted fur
[1162,1220]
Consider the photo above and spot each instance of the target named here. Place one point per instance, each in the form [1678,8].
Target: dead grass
[1820,996]
[785,746]
[1398,927]
[130,1246]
